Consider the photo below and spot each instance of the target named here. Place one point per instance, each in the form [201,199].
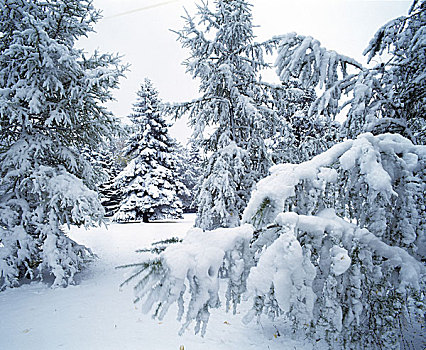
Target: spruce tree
[51,106]
[149,183]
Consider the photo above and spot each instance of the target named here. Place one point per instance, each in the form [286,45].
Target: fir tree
[149,182]
[51,106]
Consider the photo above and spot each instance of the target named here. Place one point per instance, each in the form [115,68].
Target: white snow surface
[97,314]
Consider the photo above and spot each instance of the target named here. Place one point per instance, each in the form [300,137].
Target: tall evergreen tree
[149,182]
[51,105]
[226,59]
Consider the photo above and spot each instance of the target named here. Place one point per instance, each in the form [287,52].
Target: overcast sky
[140,31]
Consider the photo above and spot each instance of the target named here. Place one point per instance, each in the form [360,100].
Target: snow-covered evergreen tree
[112,163]
[149,183]
[51,106]
[189,166]
[226,60]
[198,161]
[389,97]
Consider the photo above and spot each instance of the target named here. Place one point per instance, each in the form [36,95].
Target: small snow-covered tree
[109,160]
[389,97]
[51,106]
[322,249]
[226,60]
[221,194]
[149,183]
[198,161]
[189,166]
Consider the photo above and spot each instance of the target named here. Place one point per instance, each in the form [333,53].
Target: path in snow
[97,314]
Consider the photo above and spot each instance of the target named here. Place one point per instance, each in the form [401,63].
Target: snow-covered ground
[97,314]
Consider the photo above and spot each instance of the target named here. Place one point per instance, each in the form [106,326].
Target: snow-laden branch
[392,89]
[192,267]
[365,152]
[303,56]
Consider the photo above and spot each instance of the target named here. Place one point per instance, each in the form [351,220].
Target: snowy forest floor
[97,314]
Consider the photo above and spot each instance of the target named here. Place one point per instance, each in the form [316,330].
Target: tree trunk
[145,217]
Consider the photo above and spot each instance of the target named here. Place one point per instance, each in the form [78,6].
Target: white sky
[139,30]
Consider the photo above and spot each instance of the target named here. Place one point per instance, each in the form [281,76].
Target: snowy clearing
[97,314]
